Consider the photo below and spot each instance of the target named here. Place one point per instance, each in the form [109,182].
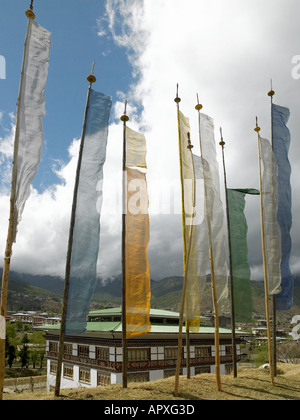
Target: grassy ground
[251,384]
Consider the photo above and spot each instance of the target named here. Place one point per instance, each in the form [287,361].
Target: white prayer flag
[30,112]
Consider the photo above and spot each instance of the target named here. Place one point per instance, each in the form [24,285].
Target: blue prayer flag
[281,145]
[83,270]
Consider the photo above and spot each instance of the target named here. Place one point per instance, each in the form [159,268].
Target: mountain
[44,292]
[33,293]
[53,284]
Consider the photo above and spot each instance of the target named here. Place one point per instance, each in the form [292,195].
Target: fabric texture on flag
[31,110]
[137,274]
[196,234]
[83,271]
[135,149]
[203,213]
[215,211]
[241,273]
[271,227]
[197,259]
[281,145]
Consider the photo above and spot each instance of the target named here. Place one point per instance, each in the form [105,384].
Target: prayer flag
[215,211]
[281,145]
[271,227]
[195,228]
[137,237]
[241,273]
[83,270]
[202,208]
[30,113]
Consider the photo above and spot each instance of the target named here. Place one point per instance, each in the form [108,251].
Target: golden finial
[177,99]
[91,78]
[29,13]
[222,142]
[198,107]
[190,146]
[271,93]
[124,117]
[257,128]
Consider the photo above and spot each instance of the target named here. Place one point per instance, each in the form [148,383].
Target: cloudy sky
[226,51]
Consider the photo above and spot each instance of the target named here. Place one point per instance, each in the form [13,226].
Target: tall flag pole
[84,233]
[27,147]
[271,93]
[234,355]
[211,251]
[264,251]
[179,353]
[124,118]
[281,139]
[136,291]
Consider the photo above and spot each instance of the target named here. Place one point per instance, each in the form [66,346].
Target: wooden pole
[179,354]
[11,224]
[274,331]
[124,118]
[233,335]
[257,129]
[213,282]
[91,79]
[188,347]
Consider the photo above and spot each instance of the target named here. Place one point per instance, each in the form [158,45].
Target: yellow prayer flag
[135,149]
[137,266]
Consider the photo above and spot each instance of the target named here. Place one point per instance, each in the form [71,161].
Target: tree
[11,343]
[262,354]
[11,355]
[38,348]
[24,354]
[289,352]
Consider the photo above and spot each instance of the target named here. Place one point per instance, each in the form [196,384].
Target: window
[202,351]
[202,369]
[53,368]
[228,369]
[138,377]
[170,372]
[171,352]
[85,376]
[68,349]
[103,379]
[102,353]
[228,350]
[53,346]
[68,371]
[83,351]
[136,355]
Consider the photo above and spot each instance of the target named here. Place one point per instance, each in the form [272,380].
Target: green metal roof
[153,312]
[99,327]
[116,325]
[103,326]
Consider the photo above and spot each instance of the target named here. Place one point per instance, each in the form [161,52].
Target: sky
[227,52]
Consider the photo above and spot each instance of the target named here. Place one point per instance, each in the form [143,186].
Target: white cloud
[225,51]
[42,236]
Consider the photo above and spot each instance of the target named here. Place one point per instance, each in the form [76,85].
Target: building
[95,358]
[32,318]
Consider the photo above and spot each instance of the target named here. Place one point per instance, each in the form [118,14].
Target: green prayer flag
[238,229]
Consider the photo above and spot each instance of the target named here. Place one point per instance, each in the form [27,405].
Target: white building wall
[115,354]
[93,378]
[154,375]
